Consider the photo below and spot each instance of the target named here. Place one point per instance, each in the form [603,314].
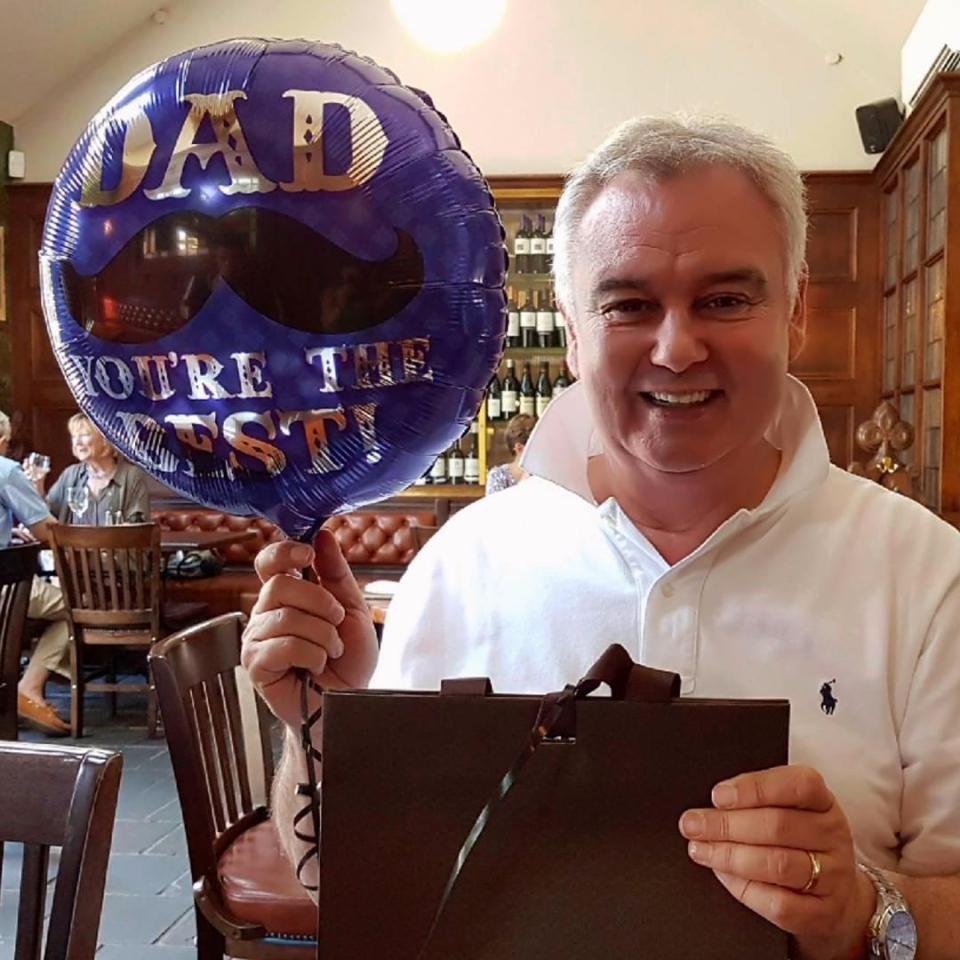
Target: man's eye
[632,305]
[726,302]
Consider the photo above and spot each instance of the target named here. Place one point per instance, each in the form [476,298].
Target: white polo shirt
[832,579]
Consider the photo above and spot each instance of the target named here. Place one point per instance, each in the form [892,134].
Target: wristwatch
[892,931]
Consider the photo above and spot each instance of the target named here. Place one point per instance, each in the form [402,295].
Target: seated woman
[113,486]
[506,475]
[103,488]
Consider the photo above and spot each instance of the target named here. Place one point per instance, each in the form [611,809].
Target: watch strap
[889,900]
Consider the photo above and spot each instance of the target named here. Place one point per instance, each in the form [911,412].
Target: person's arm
[756,840]
[287,803]
[41,530]
[324,628]
[27,505]
[935,905]
[929,871]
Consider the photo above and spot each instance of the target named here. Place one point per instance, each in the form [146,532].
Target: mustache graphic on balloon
[280,267]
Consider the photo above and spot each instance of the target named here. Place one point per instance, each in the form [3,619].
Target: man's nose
[677,344]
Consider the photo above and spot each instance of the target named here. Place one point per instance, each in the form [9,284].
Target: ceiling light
[449,26]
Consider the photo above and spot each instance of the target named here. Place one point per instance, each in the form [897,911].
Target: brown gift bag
[580,858]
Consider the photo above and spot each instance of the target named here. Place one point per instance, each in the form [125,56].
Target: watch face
[901,937]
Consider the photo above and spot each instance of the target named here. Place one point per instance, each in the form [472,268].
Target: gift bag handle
[614,667]
[628,680]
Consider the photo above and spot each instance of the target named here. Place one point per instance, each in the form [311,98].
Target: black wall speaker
[878,122]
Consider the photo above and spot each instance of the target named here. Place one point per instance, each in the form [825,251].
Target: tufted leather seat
[259,885]
[375,543]
[384,539]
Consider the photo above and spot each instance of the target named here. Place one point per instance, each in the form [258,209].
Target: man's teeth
[682,398]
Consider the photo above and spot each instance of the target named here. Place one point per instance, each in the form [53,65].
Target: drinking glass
[78,501]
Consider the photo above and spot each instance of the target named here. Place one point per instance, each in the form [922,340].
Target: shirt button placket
[670,628]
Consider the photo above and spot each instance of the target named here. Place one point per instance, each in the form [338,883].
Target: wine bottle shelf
[454,491]
[526,353]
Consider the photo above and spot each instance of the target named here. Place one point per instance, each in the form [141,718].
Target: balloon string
[312,757]
[311,788]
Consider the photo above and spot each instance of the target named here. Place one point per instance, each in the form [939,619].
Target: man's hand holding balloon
[323,627]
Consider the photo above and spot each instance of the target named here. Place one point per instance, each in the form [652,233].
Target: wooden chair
[110,577]
[17,568]
[55,796]
[247,899]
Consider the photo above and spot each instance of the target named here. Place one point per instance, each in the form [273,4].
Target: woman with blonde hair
[101,488]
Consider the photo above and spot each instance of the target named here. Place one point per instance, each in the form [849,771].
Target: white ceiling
[45,42]
[533,98]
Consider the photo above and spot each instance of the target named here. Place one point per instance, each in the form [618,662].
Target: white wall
[559,73]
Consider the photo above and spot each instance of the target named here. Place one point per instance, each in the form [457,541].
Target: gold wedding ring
[816,868]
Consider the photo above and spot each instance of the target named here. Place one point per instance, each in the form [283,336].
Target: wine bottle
[510,393]
[513,320]
[538,247]
[471,463]
[562,381]
[545,323]
[548,254]
[438,472]
[528,321]
[560,322]
[455,463]
[544,388]
[521,247]
[494,395]
[528,393]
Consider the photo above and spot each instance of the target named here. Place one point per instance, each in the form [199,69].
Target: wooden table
[171,540]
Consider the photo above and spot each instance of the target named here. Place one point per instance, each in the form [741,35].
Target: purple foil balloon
[273,279]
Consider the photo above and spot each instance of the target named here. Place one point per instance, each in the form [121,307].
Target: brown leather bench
[378,544]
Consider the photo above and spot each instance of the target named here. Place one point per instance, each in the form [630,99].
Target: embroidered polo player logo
[828,702]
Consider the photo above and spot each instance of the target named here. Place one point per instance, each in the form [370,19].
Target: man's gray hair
[662,147]
[5,429]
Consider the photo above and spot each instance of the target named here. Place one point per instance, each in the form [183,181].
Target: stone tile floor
[148,907]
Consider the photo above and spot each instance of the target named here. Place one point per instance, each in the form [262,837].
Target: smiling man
[682,504]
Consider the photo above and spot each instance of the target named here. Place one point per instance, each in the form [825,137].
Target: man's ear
[572,364]
[797,331]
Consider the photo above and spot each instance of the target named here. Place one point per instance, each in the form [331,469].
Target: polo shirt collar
[564,439]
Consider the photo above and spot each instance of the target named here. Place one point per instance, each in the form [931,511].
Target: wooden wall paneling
[938,109]
[841,359]
[838,427]
[40,393]
[6,351]
[950,380]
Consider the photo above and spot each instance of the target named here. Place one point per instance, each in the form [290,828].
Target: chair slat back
[110,575]
[219,740]
[17,568]
[64,797]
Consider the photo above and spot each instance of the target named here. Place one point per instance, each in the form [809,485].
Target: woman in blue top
[518,432]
